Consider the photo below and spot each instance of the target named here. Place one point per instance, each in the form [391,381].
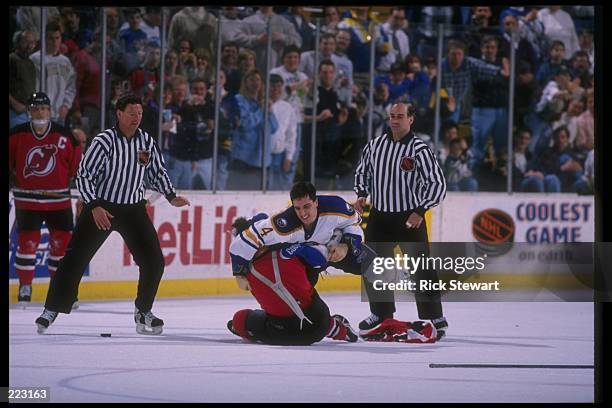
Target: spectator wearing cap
[132,38]
[22,77]
[284,139]
[556,60]
[149,23]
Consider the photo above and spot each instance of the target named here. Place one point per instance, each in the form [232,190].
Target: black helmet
[39,98]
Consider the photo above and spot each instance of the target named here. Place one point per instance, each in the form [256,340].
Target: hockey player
[44,157]
[292,311]
[311,218]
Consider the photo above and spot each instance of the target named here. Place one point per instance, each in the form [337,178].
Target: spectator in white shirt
[558,25]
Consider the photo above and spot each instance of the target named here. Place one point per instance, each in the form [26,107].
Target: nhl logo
[281,222]
[144,157]
[407,164]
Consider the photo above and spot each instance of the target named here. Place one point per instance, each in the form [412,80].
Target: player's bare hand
[359,204]
[337,252]
[243,283]
[179,202]
[414,221]
[102,218]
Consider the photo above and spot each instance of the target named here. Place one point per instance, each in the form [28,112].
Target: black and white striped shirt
[114,168]
[400,176]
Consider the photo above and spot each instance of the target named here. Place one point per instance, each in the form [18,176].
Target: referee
[403,179]
[110,179]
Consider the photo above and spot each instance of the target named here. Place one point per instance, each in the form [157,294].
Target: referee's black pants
[134,225]
[391,227]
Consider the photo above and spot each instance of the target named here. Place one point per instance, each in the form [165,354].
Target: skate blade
[40,329]
[142,329]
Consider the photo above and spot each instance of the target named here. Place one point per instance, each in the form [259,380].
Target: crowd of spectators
[553,95]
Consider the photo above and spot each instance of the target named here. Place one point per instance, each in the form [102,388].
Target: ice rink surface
[198,360]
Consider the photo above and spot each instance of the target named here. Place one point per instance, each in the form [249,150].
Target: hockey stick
[45,193]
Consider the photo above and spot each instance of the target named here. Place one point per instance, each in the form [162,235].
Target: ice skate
[25,295]
[343,330]
[148,323]
[45,320]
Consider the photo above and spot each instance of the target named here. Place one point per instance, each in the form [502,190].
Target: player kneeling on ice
[282,282]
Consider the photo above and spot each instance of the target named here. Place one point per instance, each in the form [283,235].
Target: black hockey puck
[105,334]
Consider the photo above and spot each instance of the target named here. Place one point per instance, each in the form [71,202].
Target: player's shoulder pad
[23,127]
[286,222]
[334,205]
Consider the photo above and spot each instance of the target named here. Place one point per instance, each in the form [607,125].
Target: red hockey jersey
[44,163]
[293,277]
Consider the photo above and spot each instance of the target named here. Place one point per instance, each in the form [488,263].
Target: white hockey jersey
[334,215]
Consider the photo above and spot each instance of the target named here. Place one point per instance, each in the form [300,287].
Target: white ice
[198,360]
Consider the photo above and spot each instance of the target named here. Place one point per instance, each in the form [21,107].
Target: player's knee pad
[25,259]
[239,323]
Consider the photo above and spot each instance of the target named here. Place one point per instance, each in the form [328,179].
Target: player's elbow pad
[239,265]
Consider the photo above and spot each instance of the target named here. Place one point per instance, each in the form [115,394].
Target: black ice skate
[148,323]
[441,326]
[25,295]
[369,324]
[44,321]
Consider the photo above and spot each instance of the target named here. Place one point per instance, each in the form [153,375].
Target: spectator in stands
[197,122]
[458,72]
[132,38]
[187,59]
[112,22]
[204,67]
[548,69]
[571,160]
[549,161]
[480,25]
[569,118]
[419,93]
[357,19]
[296,85]
[524,51]
[585,41]
[149,23]
[172,65]
[332,18]
[229,63]
[61,78]
[393,43]
[195,24]
[246,63]
[22,77]
[254,36]
[72,32]
[526,93]
[150,123]
[396,81]
[284,139]
[327,49]
[229,116]
[450,132]
[86,107]
[230,25]
[381,109]
[524,177]
[430,17]
[456,171]
[28,18]
[559,26]
[344,67]
[586,123]
[248,150]
[581,69]
[489,106]
[180,169]
[329,116]
[302,26]
[144,80]
[586,183]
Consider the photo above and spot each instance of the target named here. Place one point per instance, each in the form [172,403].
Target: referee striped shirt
[114,168]
[400,176]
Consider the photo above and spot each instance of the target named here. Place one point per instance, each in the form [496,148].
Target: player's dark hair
[239,225]
[302,189]
[127,99]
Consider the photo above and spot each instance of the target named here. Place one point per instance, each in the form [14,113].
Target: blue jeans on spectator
[223,160]
[180,173]
[16,118]
[465,184]
[550,184]
[568,178]
[202,176]
[487,121]
[456,115]
[541,133]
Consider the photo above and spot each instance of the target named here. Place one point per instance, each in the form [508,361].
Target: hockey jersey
[334,216]
[44,163]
